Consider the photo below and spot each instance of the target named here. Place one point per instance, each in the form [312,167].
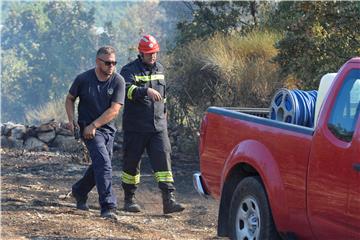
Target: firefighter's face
[149,58]
[106,63]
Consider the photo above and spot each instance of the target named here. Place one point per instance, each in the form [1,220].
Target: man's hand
[74,128]
[89,131]
[154,95]
[69,107]
[70,126]
[106,117]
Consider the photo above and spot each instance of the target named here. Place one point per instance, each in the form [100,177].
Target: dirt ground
[34,204]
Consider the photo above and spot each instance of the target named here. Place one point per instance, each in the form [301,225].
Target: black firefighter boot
[130,205]
[169,203]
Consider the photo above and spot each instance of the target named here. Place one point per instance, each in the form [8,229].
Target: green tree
[108,11]
[21,37]
[22,31]
[107,36]
[12,91]
[54,41]
[318,38]
[220,16]
[143,18]
[68,47]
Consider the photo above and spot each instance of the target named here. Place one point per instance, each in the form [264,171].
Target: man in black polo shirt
[145,126]
[101,92]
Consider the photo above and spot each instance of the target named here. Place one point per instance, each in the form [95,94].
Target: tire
[250,214]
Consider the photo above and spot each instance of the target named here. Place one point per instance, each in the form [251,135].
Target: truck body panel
[287,189]
[334,212]
[311,176]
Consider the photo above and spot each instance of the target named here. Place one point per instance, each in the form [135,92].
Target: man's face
[106,63]
[149,58]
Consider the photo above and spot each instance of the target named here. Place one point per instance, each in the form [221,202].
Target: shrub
[221,71]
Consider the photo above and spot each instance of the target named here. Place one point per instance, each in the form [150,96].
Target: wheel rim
[248,220]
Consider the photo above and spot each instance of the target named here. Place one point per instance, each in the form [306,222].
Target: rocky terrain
[35,203]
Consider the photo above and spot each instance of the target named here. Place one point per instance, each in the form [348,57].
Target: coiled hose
[294,106]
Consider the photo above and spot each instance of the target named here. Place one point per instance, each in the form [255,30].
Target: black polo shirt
[96,96]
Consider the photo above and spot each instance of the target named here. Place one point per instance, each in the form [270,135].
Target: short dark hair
[105,50]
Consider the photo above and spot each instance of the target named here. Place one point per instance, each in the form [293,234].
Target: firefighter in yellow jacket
[145,126]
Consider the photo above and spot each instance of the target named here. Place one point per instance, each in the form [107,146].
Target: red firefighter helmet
[148,44]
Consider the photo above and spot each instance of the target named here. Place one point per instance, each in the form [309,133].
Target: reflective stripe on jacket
[141,114]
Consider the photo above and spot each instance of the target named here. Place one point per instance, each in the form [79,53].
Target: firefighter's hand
[154,95]
[89,131]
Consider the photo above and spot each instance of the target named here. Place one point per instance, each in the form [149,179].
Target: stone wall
[48,136]
[53,136]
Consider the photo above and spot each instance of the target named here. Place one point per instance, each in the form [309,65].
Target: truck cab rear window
[345,112]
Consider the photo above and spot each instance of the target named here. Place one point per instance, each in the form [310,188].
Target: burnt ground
[35,205]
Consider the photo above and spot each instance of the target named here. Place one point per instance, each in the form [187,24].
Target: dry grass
[56,110]
[233,53]
[234,71]
[226,70]
[51,110]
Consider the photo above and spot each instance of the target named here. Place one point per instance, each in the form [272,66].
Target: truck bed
[259,116]
[265,144]
[260,112]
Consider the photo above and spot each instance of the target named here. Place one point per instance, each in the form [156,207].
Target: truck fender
[256,155]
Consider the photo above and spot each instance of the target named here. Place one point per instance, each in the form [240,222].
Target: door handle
[356,167]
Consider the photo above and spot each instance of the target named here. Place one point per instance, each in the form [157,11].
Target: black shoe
[82,206]
[130,204]
[80,202]
[170,205]
[109,213]
[131,207]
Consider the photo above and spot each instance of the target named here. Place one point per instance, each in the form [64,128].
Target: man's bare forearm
[70,107]
[107,116]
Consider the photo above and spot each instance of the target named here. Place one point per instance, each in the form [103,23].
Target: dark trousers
[99,173]
[157,145]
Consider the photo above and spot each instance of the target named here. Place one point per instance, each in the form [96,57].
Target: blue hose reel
[294,106]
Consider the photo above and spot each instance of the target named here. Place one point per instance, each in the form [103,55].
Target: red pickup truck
[279,180]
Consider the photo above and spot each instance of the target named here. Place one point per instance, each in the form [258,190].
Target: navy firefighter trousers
[99,173]
[157,145]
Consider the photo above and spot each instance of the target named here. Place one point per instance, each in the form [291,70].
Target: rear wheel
[250,214]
